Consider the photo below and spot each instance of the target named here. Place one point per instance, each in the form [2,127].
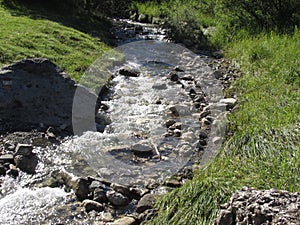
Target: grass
[264,151]
[27,33]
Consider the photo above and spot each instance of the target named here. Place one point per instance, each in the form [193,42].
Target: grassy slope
[21,37]
[264,151]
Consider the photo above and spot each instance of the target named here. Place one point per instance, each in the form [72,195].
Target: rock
[96,184]
[142,148]
[7,158]
[170,123]
[146,202]
[39,93]
[173,76]
[121,189]
[99,195]
[13,171]
[81,188]
[250,206]
[159,86]
[225,218]
[178,69]
[230,102]
[138,192]
[117,198]
[144,18]
[203,134]
[187,77]
[177,133]
[217,74]
[125,221]
[2,170]
[26,163]
[176,125]
[128,72]
[173,183]
[90,205]
[24,149]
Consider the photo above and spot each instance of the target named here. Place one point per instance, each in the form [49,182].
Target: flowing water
[137,109]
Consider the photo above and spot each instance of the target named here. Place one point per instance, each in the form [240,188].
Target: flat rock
[7,158]
[142,148]
[230,102]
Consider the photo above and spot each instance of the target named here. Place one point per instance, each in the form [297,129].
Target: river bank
[43,158]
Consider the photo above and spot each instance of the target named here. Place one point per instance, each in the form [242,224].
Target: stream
[161,113]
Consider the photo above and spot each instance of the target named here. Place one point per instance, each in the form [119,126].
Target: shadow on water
[97,26]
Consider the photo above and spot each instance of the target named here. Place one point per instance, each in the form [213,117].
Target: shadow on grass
[97,26]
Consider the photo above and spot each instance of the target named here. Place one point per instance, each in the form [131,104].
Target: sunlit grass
[23,37]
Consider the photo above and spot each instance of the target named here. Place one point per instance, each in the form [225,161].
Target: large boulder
[36,93]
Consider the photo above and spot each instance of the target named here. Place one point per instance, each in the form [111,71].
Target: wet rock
[96,184]
[173,183]
[121,189]
[99,195]
[138,192]
[176,125]
[159,86]
[90,205]
[128,72]
[117,198]
[142,148]
[2,170]
[217,74]
[170,123]
[144,18]
[24,149]
[146,202]
[81,188]
[7,158]
[178,69]
[124,221]
[12,171]
[173,76]
[26,163]
[177,133]
[230,102]
[187,77]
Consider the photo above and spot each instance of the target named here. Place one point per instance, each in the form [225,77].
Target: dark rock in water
[144,18]
[146,202]
[35,91]
[178,69]
[143,148]
[170,123]
[100,195]
[24,149]
[128,72]
[26,163]
[91,205]
[121,189]
[173,76]
[13,171]
[81,188]
[117,198]
[159,86]
[2,170]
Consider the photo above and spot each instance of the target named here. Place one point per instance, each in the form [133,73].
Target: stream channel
[161,114]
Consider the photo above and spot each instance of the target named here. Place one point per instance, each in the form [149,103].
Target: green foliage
[22,36]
